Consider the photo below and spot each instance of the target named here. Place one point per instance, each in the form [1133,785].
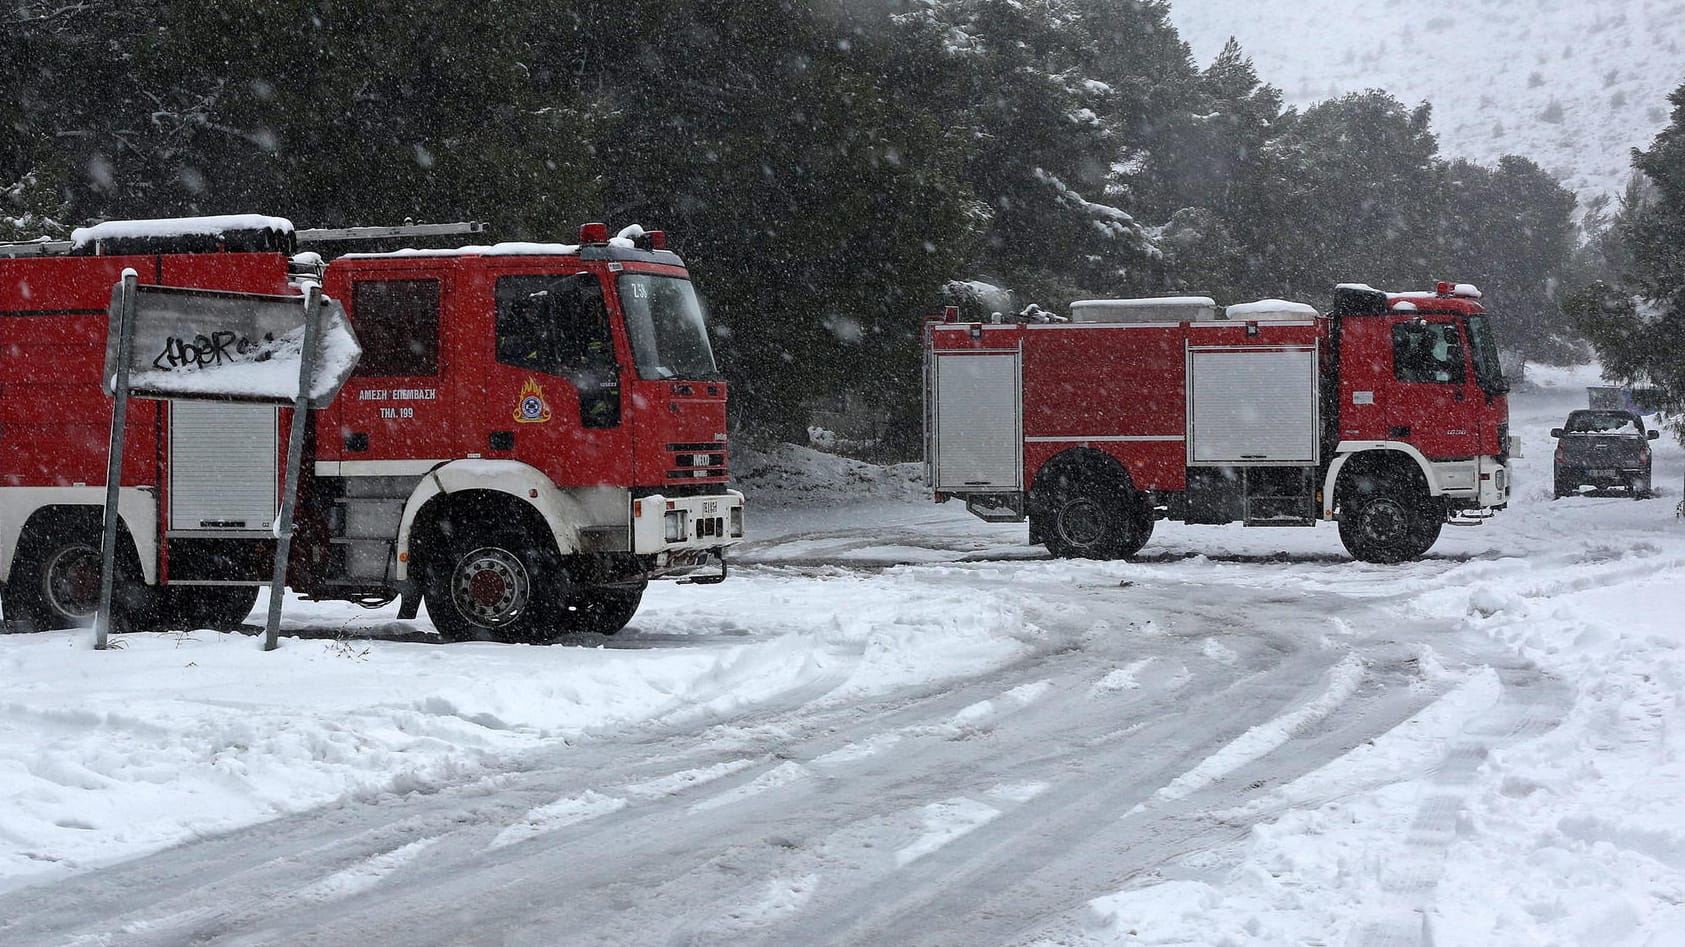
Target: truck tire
[219,607]
[55,580]
[1640,487]
[601,610]
[1389,521]
[494,585]
[1087,517]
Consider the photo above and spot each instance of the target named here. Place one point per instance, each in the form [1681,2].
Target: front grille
[676,490]
[704,461]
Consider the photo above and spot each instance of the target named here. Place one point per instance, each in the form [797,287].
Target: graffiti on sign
[221,347]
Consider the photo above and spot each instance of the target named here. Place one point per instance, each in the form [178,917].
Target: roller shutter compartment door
[979,429]
[1252,406]
[223,466]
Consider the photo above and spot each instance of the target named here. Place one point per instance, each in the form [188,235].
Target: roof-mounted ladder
[401,232]
[35,248]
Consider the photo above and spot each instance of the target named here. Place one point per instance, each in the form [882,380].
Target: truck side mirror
[1652,435]
[1555,432]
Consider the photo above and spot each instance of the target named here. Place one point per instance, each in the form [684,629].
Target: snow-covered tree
[1638,324]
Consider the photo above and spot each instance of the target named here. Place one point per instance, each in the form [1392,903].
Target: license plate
[1601,472]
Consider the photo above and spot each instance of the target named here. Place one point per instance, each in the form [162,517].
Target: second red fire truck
[1387,414]
[534,432]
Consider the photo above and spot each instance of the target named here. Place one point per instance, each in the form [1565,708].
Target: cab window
[552,324]
[1427,352]
[398,325]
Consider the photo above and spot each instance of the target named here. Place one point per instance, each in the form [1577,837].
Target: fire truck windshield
[1488,374]
[665,322]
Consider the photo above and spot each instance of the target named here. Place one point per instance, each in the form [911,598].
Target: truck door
[551,394]
[394,416]
[1436,395]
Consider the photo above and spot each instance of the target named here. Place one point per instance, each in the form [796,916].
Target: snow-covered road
[898,725]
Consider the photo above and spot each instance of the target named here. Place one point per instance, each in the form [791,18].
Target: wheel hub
[72,581]
[490,587]
[487,587]
[1081,523]
[1384,521]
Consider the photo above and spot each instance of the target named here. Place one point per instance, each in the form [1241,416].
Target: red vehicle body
[1388,414]
[533,433]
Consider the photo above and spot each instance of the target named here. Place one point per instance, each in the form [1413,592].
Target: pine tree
[1511,228]
[1350,188]
[1638,325]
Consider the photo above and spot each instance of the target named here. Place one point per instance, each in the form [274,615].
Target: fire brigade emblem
[532,408]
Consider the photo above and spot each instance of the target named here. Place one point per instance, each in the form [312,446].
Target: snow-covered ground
[1572,84]
[1479,748]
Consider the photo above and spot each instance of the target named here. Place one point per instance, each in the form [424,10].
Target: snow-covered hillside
[1572,84]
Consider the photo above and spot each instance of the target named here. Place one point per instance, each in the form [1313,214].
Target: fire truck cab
[1387,414]
[533,433]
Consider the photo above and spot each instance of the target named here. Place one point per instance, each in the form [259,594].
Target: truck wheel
[220,607]
[601,610]
[1389,522]
[500,586]
[55,582]
[1090,519]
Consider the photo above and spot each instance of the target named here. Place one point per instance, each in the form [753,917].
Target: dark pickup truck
[1603,448]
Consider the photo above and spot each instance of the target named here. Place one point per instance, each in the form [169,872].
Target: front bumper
[683,528]
[1478,482]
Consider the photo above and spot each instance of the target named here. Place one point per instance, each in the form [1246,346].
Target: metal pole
[114,457]
[295,453]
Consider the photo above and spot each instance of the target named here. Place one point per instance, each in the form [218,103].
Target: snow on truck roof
[495,249]
[1270,309]
[1187,309]
[1148,302]
[177,227]
[623,240]
[1152,309]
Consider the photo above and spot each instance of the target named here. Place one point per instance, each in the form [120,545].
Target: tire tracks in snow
[959,812]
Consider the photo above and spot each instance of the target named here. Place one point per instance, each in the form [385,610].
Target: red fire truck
[533,433]
[1387,414]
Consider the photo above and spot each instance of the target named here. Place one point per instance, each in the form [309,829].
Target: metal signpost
[185,344]
[123,314]
[295,451]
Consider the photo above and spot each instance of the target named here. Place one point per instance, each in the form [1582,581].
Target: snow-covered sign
[194,343]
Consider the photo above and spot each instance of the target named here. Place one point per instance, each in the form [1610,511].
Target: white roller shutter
[223,466]
[978,441]
[1252,406]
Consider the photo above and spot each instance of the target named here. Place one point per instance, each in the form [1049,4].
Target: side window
[1427,352]
[556,325]
[398,325]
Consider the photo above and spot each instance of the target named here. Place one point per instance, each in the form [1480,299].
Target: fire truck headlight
[675,523]
[737,521]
